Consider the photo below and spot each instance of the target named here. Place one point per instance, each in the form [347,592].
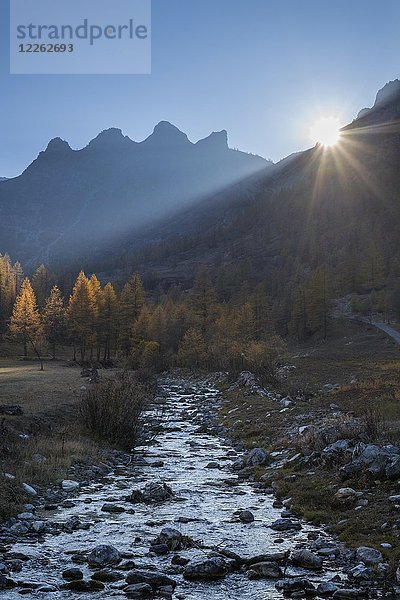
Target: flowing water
[201,493]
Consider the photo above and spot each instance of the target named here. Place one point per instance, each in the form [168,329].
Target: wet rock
[159,549]
[213,465]
[68,485]
[139,590]
[306,559]
[327,588]
[155,579]
[79,558]
[47,588]
[286,525]
[80,585]
[154,491]
[68,504]
[157,464]
[112,508]
[103,556]
[368,556]
[172,538]
[107,575]
[6,583]
[209,568]
[361,573]
[349,594]
[72,574]
[299,584]
[245,516]
[268,570]
[179,560]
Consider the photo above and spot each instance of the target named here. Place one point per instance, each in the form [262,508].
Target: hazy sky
[262,69]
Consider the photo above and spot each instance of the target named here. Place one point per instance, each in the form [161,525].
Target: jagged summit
[387,95]
[109,138]
[57,145]
[217,140]
[166,134]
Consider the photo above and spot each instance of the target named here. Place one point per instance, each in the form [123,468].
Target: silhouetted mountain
[68,203]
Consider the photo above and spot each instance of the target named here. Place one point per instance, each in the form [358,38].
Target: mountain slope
[336,207]
[69,202]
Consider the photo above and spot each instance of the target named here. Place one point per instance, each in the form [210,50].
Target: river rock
[327,588]
[288,586]
[361,573]
[72,574]
[68,485]
[369,556]
[269,570]
[112,508]
[107,575]
[209,568]
[286,525]
[348,594]
[172,538]
[79,585]
[153,491]
[155,579]
[103,556]
[139,590]
[6,583]
[245,516]
[306,559]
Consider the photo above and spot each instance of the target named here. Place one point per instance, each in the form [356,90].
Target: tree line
[102,324]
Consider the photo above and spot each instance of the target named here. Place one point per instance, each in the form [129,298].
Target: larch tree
[202,300]
[54,324]
[81,314]
[107,319]
[25,323]
[42,282]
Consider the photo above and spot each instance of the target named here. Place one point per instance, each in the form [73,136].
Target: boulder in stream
[155,579]
[306,559]
[209,568]
[103,556]
[268,570]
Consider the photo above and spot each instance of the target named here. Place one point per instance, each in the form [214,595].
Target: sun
[325,131]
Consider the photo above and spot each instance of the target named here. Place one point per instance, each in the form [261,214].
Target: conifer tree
[54,319]
[107,320]
[81,314]
[42,282]
[25,323]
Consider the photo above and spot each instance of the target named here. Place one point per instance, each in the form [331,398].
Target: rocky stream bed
[175,520]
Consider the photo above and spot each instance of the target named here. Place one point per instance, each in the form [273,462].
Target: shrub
[111,409]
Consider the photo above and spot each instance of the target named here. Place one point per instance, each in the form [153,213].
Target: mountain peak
[109,138]
[166,134]
[57,145]
[388,92]
[216,140]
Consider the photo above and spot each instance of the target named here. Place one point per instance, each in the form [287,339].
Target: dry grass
[52,440]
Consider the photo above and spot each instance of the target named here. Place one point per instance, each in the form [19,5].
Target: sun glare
[325,131]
